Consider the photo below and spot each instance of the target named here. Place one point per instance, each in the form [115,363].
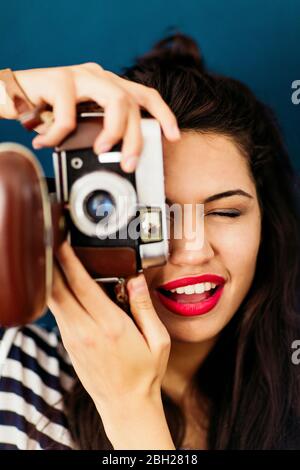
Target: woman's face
[197,168]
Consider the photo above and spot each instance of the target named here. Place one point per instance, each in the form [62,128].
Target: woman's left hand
[121,363]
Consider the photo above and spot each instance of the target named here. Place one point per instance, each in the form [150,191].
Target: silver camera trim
[151,190]
[120,189]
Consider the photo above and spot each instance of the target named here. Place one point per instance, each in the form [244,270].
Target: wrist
[8,87]
[136,424]
[24,80]
[15,103]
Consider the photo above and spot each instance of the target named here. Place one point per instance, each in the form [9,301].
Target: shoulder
[33,351]
[35,373]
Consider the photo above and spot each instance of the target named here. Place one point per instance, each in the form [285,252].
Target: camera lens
[102,203]
[98,205]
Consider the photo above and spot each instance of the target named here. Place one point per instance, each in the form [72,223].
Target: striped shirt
[35,373]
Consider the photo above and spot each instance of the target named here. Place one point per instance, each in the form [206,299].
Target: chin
[189,337]
[192,332]
[196,329]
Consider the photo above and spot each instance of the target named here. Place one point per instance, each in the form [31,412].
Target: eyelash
[230,214]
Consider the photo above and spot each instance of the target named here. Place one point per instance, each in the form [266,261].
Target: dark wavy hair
[248,377]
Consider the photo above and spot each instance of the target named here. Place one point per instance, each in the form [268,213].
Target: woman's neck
[185,359]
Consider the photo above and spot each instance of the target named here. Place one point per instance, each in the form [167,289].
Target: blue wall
[256,41]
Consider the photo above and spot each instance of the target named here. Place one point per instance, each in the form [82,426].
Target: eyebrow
[214,197]
[233,192]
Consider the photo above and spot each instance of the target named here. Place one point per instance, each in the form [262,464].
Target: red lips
[206,302]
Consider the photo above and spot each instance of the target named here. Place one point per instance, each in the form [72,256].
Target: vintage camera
[115,221]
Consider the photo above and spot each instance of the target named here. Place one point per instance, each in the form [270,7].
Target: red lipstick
[191,304]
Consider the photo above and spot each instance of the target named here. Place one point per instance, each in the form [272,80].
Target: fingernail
[174,132]
[103,147]
[36,145]
[138,285]
[129,163]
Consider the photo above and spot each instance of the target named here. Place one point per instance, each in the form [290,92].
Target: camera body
[116,220]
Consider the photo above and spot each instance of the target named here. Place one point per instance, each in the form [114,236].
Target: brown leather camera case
[25,237]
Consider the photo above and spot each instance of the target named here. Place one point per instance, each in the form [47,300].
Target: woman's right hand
[63,87]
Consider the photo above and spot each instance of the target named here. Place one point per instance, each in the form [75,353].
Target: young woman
[207,361]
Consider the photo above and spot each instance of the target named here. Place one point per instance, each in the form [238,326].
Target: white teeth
[199,288]
[195,288]
[179,290]
[189,289]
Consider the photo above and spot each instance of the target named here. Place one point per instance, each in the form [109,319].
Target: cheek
[151,273]
[237,245]
[154,275]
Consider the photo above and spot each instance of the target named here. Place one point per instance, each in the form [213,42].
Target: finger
[64,111]
[90,295]
[145,316]
[154,103]
[62,303]
[151,100]
[114,124]
[42,128]
[133,140]
[116,104]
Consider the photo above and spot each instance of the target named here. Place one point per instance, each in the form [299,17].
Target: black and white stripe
[35,372]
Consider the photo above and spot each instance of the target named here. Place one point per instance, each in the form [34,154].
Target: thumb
[144,313]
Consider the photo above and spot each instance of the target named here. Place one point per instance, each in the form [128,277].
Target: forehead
[200,165]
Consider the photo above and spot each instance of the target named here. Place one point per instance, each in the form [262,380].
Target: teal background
[253,40]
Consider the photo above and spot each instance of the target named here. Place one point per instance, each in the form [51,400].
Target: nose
[198,253]
[181,256]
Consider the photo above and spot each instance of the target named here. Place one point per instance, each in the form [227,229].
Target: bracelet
[20,100]
[28,114]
